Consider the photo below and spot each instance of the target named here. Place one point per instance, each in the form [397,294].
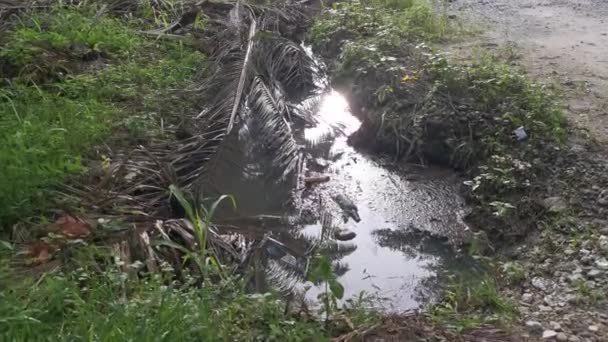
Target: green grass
[74,80]
[85,304]
[382,21]
[469,304]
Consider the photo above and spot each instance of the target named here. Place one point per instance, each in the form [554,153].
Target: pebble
[602,264]
[527,298]
[572,298]
[534,327]
[547,334]
[555,204]
[574,339]
[593,328]
[561,337]
[594,273]
[555,326]
[575,277]
[603,243]
[539,283]
[545,308]
[603,198]
[344,234]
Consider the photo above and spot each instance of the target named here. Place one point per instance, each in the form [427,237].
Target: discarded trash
[520,134]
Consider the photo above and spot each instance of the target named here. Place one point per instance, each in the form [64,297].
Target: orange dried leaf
[72,227]
[39,253]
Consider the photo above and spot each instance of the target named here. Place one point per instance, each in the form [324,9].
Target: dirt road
[562,39]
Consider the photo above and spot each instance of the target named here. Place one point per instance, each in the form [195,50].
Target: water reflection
[393,255]
[387,201]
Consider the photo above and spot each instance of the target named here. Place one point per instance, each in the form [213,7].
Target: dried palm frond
[286,62]
[268,110]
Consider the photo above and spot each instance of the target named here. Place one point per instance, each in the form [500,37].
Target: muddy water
[408,219]
[410,216]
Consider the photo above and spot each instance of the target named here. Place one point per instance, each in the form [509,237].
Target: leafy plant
[468,305]
[321,274]
[200,217]
[87,304]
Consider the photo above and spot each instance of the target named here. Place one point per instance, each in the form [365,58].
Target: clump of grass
[92,305]
[81,79]
[384,21]
[468,305]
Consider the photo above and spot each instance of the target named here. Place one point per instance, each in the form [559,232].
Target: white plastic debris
[520,134]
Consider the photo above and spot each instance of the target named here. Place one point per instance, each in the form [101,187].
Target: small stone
[569,251]
[593,328]
[603,243]
[572,298]
[320,162]
[593,273]
[555,204]
[539,283]
[575,277]
[574,339]
[602,264]
[534,327]
[555,326]
[603,198]
[587,260]
[561,337]
[344,234]
[547,334]
[527,298]
[545,308]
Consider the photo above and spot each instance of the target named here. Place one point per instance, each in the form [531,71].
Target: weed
[61,33]
[321,273]
[200,217]
[386,21]
[514,272]
[593,295]
[467,305]
[87,305]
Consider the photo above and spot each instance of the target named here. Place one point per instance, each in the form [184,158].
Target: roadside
[566,41]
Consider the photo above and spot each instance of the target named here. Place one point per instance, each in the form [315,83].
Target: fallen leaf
[39,253]
[407,78]
[72,227]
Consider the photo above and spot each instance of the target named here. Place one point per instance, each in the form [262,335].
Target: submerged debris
[348,207]
[344,234]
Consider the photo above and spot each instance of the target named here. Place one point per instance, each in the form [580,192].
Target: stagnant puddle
[409,216]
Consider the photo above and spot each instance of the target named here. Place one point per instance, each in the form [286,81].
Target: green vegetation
[86,304]
[468,305]
[421,106]
[71,79]
[381,21]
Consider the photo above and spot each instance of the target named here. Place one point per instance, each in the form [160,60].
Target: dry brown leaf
[72,227]
[39,253]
